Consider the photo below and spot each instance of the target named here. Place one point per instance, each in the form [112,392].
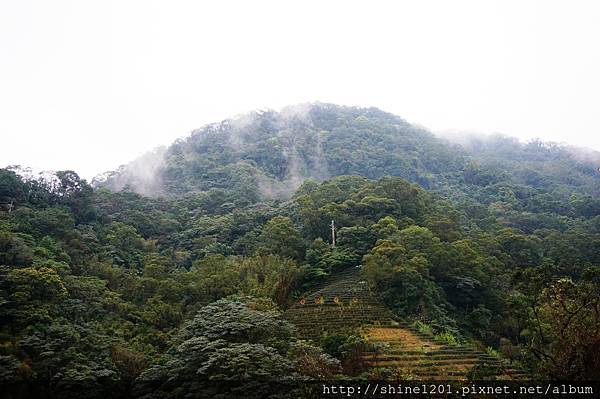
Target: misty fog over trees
[176,270]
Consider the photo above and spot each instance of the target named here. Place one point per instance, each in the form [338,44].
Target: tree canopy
[495,241]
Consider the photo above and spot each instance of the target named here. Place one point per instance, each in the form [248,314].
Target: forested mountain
[268,155]
[271,153]
[171,272]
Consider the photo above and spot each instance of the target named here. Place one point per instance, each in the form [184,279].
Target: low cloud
[143,175]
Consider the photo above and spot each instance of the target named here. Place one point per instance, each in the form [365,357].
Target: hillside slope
[271,153]
[268,155]
[345,305]
[500,251]
[275,151]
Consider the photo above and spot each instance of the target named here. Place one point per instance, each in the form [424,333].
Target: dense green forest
[173,271]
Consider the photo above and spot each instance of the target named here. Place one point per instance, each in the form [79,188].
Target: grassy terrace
[343,304]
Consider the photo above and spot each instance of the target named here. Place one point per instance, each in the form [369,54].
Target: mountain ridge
[269,154]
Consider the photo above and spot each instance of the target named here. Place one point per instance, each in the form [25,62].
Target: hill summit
[269,154]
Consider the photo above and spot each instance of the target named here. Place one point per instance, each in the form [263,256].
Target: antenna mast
[333,234]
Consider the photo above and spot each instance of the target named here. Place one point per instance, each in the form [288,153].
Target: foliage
[229,348]
[494,241]
[565,330]
[349,349]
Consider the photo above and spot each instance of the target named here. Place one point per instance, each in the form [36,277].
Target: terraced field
[344,304]
[408,353]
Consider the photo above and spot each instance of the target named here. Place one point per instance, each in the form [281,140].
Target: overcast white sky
[90,85]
